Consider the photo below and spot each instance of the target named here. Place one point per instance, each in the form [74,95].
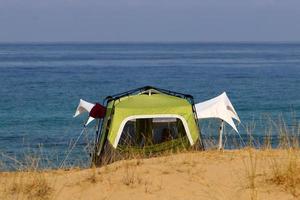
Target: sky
[149,20]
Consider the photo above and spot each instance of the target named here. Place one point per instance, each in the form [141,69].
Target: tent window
[149,131]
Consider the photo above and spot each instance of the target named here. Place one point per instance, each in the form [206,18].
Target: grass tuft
[286,172]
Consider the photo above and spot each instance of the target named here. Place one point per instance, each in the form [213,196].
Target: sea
[41,84]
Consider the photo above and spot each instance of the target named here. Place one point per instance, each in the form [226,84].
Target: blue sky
[149,20]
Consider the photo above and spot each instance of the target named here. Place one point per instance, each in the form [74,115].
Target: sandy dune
[238,174]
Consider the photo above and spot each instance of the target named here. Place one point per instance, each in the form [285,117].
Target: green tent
[146,120]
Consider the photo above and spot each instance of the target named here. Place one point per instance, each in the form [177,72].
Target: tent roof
[145,101]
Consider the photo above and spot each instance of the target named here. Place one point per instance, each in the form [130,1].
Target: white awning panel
[82,107]
[218,107]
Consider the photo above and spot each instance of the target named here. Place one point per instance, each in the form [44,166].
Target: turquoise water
[41,84]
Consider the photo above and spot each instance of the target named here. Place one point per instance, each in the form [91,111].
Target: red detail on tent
[98,111]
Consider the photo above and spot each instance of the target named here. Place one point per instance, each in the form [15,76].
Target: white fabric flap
[218,107]
[83,106]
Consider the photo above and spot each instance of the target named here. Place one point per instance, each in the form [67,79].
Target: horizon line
[153,42]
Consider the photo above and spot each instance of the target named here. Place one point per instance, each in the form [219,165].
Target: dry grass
[38,188]
[93,175]
[250,165]
[268,168]
[31,185]
[29,182]
[130,176]
[286,172]
[282,170]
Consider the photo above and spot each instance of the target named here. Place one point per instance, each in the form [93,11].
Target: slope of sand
[238,174]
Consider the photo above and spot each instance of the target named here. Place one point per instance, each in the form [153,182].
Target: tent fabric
[150,105]
[94,110]
[218,107]
[98,111]
[83,107]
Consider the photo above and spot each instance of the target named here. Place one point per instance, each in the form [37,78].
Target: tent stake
[221,135]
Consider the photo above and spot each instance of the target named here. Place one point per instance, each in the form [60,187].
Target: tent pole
[221,135]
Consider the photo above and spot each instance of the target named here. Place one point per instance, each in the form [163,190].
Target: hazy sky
[149,20]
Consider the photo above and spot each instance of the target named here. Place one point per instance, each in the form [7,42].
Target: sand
[236,174]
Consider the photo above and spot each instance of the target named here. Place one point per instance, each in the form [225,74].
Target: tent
[149,121]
